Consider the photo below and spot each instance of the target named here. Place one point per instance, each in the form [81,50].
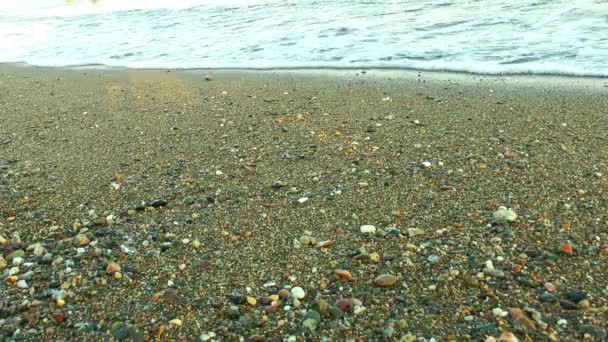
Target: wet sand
[212,196]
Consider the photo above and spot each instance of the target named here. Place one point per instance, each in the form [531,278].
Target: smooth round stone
[310,324]
[368,229]
[22,284]
[112,267]
[20,253]
[385,280]
[39,250]
[17,261]
[503,215]
[321,306]
[158,203]
[490,272]
[81,240]
[313,315]
[584,304]
[283,293]
[298,292]
[342,304]
[433,259]
[547,297]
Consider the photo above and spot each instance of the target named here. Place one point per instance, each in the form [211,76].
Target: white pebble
[176,322]
[497,312]
[562,322]
[303,199]
[22,284]
[17,261]
[298,292]
[218,173]
[504,215]
[368,229]
[426,164]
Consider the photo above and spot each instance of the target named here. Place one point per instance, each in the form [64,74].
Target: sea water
[567,37]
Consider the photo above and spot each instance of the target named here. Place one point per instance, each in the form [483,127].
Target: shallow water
[525,36]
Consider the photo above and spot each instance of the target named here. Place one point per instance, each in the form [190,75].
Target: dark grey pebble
[158,203]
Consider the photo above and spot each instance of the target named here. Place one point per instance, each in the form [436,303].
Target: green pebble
[16,254]
[310,324]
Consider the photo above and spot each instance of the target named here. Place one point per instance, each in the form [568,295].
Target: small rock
[277,184]
[368,229]
[313,315]
[298,293]
[22,284]
[343,274]
[251,301]
[283,293]
[433,259]
[503,215]
[17,261]
[19,253]
[310,324]
[491,272]
[81,240]
[342,304]
[158,203]
[547,297]
[112,267]
[385,280]
[320,305]
[507,337]
[576,296]
[413,232]
[176,322]
[39,250]
[566,249]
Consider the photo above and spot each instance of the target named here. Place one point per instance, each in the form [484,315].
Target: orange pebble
[507,337]
[566,248]
[343,274]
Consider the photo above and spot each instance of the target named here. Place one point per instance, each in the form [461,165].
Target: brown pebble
[385,280]
[343,274]
[324,244]
[550,287]
[516,313]
[112,267]
[283,293]
[101,221]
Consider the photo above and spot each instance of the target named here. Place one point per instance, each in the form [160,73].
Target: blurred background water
[481,36]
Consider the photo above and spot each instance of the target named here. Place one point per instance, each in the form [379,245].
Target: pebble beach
[302,205]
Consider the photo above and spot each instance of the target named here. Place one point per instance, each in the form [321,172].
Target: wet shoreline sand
[258,167]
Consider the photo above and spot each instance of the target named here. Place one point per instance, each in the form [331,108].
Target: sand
[259,166]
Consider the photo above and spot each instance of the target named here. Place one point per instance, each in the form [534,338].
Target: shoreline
[392,72]
[217,198]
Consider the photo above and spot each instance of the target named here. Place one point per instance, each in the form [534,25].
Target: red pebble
[59,317]
[343,304]
[270,309]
